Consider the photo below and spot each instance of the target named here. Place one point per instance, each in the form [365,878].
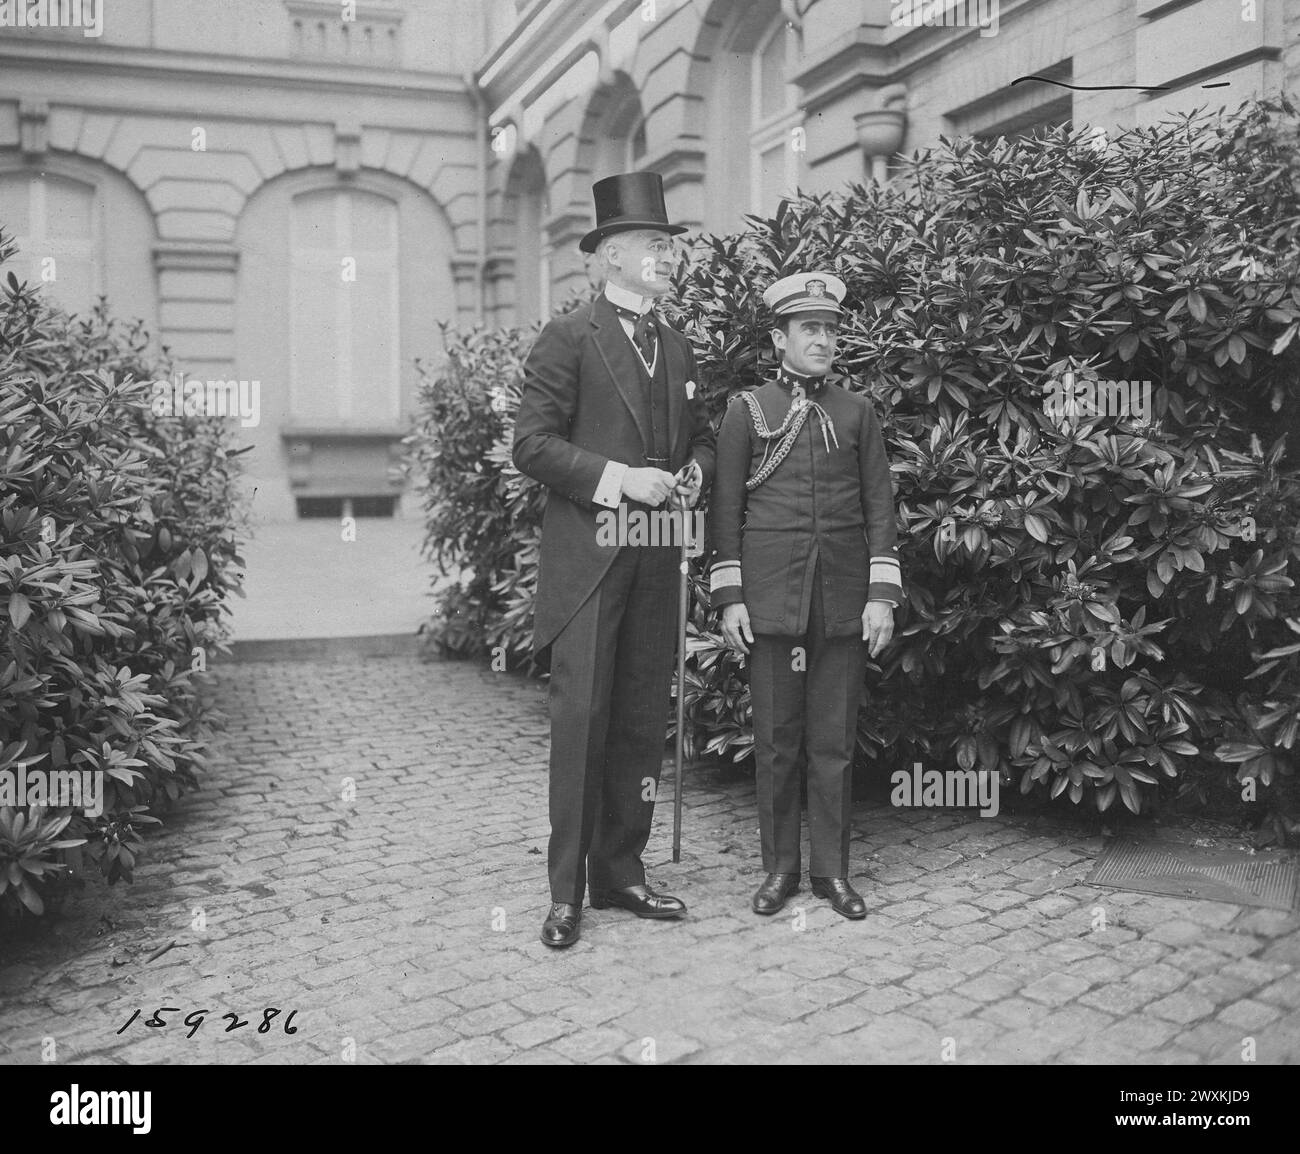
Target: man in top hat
[609,416]
[806,576]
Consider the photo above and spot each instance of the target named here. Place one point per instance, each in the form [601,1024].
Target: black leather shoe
[845,900]
[640,900]
[773,892]
[563,925]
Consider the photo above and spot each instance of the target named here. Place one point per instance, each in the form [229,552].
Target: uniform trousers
[806,691]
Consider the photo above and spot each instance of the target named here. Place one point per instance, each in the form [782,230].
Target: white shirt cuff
[610,490]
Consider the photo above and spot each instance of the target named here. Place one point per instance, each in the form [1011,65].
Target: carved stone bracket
[33,127]
[347,148]
[299,462]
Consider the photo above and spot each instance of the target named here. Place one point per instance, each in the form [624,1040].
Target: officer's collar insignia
[798,382]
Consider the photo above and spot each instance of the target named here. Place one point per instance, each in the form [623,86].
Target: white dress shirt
[610,490]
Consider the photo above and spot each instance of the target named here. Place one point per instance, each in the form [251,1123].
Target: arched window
[57,227]
[344,308]
[620,133]
[528,206]
[774,115]
[613,130]
[752,150]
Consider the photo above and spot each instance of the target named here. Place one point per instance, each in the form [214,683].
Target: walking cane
[683,593]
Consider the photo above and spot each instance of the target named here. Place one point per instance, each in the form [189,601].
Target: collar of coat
[787,378]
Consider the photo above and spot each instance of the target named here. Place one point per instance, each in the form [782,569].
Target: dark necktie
[644,334]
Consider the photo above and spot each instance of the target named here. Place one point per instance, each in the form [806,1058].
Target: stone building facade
[283,196]
[298,191]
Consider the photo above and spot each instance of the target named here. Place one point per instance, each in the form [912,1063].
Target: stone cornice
[329,10]
[542,31]
[861,51]
[546,42]
[504,54]
[69,58]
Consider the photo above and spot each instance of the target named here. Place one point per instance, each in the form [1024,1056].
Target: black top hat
[627,201]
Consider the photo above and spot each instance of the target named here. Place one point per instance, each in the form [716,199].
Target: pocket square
[690,390]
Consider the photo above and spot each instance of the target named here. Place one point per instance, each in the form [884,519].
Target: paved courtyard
[369,851]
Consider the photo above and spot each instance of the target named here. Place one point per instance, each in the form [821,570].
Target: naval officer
[806,577]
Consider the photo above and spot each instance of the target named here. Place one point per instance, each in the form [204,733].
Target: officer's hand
[735,627]
[877,626]
[689,481]
[649,486]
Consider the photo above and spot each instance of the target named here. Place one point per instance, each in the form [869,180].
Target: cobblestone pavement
[402,925]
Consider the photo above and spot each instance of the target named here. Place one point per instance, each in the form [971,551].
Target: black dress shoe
[845,900]
[563,925]
[773,892]
[640,900]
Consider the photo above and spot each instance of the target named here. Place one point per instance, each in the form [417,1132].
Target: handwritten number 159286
[196,1019]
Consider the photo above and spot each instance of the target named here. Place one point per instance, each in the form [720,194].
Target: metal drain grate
[1189,871]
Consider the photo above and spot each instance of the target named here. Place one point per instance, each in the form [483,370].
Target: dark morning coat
[837,506]
[584,405]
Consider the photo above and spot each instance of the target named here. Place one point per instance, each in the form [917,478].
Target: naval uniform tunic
[831,507]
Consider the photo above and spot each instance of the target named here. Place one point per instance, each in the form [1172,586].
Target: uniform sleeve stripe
[886,571]
[722,576]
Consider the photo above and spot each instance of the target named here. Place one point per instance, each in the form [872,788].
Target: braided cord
[788,433]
